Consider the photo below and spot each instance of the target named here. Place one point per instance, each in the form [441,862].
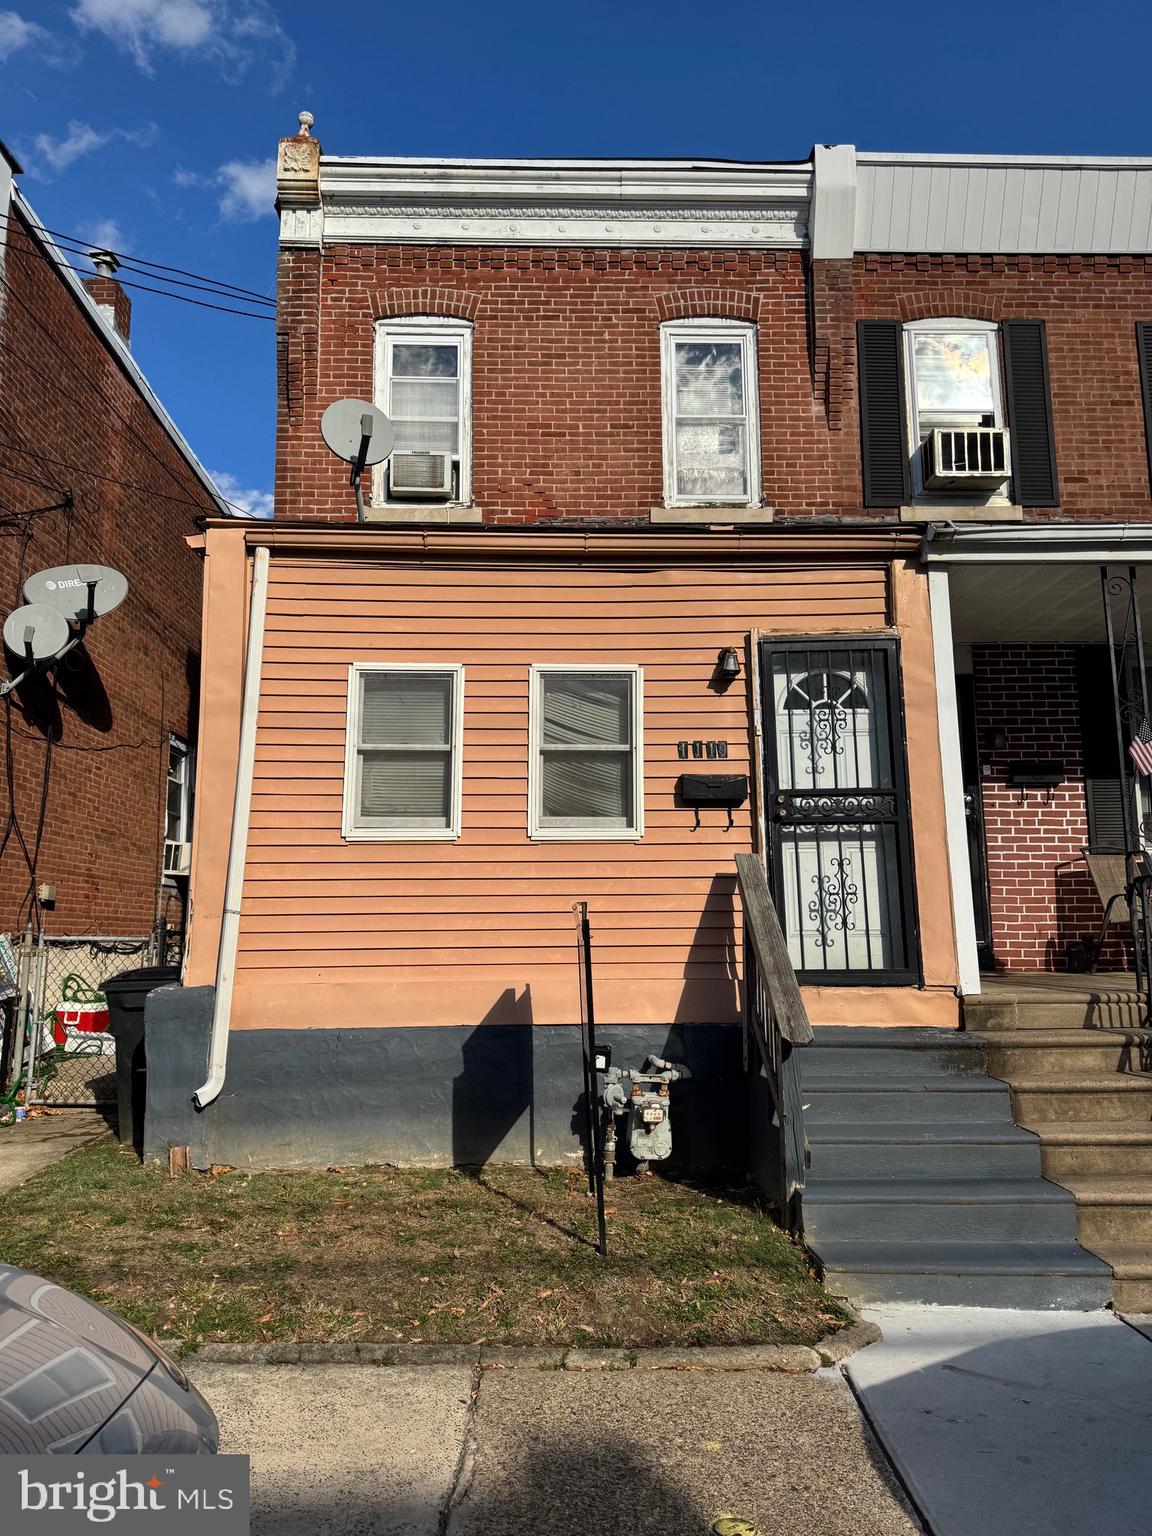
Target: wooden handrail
[762,926]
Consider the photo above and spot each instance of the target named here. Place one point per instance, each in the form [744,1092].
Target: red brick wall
[566,365]
[65,399]
[1090,305]
[566,371]
[1041,898]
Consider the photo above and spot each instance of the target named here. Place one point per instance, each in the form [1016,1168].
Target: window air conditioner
[420,474]
[177,858]
[966,458]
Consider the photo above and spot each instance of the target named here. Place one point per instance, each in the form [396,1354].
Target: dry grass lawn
[499,1254]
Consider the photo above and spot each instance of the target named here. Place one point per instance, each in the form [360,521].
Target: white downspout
[238,845]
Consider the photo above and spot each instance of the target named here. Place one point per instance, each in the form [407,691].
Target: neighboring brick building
[92,470]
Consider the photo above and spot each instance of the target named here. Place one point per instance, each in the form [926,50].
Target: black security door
[839,833]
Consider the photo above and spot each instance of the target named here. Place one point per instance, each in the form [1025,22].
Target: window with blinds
[423,384]
[402,775]
[585,766]
[711,436]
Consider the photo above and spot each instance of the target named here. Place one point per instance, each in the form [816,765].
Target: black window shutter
[883,435]
[1144,353]
[1030,413]
[1106,779]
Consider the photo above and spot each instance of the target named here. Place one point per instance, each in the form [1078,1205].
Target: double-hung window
[403,767]
[711,428]
[953,374]
[585,766]
[424,384]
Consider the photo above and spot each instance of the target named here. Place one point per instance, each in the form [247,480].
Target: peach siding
[483,928]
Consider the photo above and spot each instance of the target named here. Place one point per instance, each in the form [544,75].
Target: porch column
[963,913]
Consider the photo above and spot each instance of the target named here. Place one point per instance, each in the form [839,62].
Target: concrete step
[843,1051]
[845,1149]
[1082,1096]
[1092,1008]
[1069,1148]
[1112,1209]
[1040,1276]
[939,1211]
[1033,1052]
[1131,1265]
[894,1098]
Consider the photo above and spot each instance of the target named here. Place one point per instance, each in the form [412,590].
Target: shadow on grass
[477,1176]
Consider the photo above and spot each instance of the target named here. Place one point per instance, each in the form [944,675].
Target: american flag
[1140,747]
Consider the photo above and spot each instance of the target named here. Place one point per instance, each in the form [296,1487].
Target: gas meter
[643,1096]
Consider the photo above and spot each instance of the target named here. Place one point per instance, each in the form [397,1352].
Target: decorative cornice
[565,203]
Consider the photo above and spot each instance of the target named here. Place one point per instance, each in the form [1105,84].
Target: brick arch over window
[708,304]
[938,302]
[449,303]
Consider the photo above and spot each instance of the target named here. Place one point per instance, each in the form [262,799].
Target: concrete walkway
[30,1145]
[1002,1422]
[394,1451]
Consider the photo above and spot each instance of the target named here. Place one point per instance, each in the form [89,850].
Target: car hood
[65,1363]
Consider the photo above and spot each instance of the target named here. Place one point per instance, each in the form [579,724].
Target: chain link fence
[62,1054]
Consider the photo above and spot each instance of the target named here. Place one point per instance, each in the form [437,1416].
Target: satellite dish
[343,425]
[38,628]
[65,589]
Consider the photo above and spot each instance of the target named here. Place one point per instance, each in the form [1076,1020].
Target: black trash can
[126,996]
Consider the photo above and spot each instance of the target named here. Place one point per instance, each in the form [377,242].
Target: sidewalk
[1001,1422]
[30,1145]
[396,1451]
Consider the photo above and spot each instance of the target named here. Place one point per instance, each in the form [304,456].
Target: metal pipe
[209,1090]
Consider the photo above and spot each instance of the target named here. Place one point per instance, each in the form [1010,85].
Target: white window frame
[181,746]
[744,332]
[352,831]
[434,330]
[591,832]
[949,326]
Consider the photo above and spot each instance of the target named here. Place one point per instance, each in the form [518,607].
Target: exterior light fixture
[728,664]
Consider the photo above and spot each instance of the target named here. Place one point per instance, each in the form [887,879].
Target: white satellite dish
[347,423]
[36,631]
[66,588]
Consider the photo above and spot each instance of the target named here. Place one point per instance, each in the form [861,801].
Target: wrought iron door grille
[841,848]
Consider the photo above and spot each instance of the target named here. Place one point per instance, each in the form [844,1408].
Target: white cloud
[104,235]
[17,32]
[249,189]
[255,503]
[233,35]
[56,154]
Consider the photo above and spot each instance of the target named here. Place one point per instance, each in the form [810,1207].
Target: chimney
[111,300]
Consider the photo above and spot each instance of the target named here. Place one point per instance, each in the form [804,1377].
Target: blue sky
[151,125]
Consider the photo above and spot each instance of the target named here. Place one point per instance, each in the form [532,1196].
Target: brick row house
[797,476]
[93,471]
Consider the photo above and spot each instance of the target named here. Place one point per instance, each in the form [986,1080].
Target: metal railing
[775,1024]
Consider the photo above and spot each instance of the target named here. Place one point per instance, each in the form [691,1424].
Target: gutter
[210,1089]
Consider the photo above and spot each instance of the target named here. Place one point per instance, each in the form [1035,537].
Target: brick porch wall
[1042,901]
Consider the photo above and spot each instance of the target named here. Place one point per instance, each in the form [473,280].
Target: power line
[163,292]
[127,485]
[82,247]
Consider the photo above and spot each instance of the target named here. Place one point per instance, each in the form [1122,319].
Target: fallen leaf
[267,1318]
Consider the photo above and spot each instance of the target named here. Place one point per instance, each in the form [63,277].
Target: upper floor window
[953,381]
[711,427]
[424,384]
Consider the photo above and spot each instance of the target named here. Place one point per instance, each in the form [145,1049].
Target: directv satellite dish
[36,631]
[66,588]
[346,424]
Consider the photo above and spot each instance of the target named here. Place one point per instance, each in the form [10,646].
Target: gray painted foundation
[435,1095]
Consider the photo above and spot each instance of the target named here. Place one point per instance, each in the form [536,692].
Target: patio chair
[1109,875]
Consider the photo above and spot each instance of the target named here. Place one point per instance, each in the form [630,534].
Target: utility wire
[84,248]
[183,298]
[126,485]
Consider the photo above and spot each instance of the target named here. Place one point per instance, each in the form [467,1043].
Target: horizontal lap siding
[492,908]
